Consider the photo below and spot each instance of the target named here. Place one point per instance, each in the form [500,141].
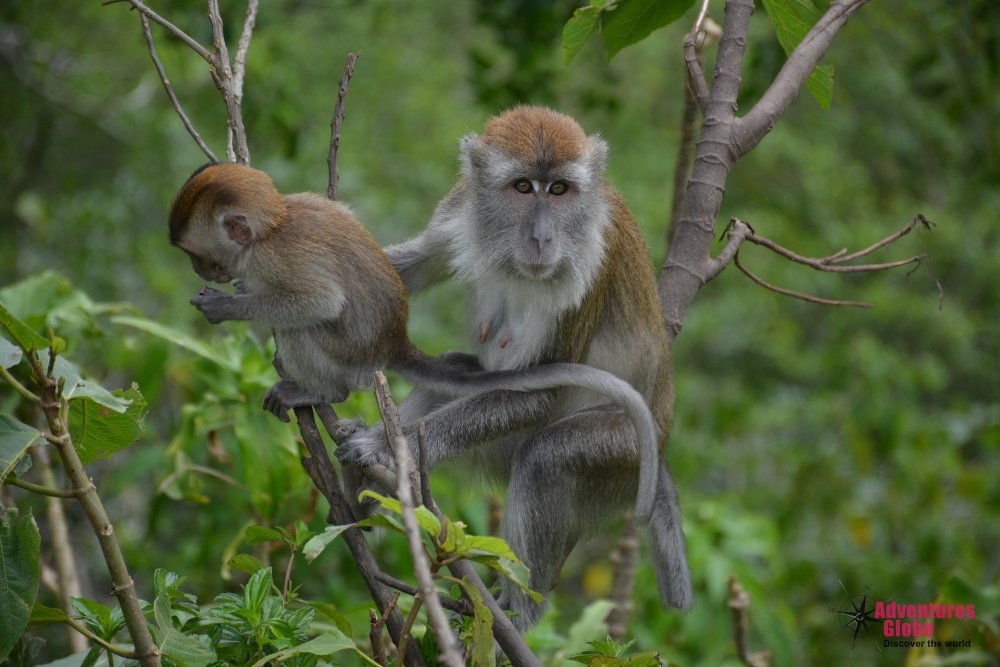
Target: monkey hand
[365,447]
[215,305]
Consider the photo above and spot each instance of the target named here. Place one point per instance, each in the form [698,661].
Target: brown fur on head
[536,135]
[215,187]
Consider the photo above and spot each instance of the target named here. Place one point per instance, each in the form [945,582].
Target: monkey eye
[558,188]
[523,186]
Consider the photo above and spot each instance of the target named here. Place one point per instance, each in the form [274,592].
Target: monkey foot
[285,395]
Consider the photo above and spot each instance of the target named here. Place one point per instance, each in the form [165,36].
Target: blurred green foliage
[816,450]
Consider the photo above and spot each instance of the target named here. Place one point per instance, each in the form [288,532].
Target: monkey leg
[565,480]
[286,395]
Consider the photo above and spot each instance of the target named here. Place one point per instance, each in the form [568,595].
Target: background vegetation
[816,450]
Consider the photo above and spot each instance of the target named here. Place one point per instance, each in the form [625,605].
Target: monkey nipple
[484,331]
[506,339]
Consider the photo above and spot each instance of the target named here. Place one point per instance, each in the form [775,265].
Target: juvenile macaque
[308,269]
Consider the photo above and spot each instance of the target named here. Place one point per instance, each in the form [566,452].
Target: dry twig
[408,479]
[338,120]
[739,602]
[375,633]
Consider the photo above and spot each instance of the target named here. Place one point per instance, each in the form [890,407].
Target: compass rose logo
[857,616]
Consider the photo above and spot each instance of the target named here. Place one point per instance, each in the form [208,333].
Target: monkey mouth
[540,270]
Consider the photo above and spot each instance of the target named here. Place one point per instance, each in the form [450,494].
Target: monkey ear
[238,229]
[472,154]
[598,154]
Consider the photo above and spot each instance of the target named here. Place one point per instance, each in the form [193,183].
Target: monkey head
[219,213]
[537,186]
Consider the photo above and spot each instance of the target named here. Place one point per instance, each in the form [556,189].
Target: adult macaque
[308,268]
[557,271]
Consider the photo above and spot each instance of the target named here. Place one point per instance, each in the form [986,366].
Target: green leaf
[482,627]
[516,572]
[425,517]
[246,563]
[15,440]
[98,432]
[24,336]
[185,650]
[315,546]
[260,534]
[383,521]
[633,20]
[493,545]
[19,543]
[95,616]
[326,644]
[331,612]
[40,615]
[792,20]
[10,354]
[24,652]
[269,456]
[579,29]
[76,660]
[91,659]
[178,338]
[77,387]
[256,589]
[161,611]
[302,534]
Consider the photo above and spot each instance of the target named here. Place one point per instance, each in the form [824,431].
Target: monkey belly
[307,359]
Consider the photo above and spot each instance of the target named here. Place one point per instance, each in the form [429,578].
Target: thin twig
[18,387]
[460,606]
[404,636]
[177,32]
[338,119]
[239,67]
[406,475]
[506,635]
[170,92]
[62,547]
[696,77]
[288,575]
[83,630]
[41,490]
[623,562]
[739,602]
[222,74]
[797,295]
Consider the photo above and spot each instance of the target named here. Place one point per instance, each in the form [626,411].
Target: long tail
[446,378]
[667,545]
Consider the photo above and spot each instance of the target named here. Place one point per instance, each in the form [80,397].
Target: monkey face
[208,270]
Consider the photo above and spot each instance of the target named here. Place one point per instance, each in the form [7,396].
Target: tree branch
[695,77]
[170,91]
[222,74]
[786,85]
[739,602]
[408,477]
[506,635]
[797,295]
[338,120]
[460,606]
[174,30]
[239,66]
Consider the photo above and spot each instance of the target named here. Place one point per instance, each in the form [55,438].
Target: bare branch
[407,475]
[242,48]
[797,295]
[839,257]
[739,602]
[170,92]
[783,90]
[177,32]
[338,120]
[222,74]
[460,606]
[692,49]
[623,562]
[506,635]
[41,490]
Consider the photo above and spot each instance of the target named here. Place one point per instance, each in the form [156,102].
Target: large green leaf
[15,439]
[41,615]
[632,21]
[579,29]
[326,644]
[19,544]
[24,652]
[269,455]
[792,20]
[97,431]
[10,354]
[76,387]
[178,338]
[246,563]
[331,612]
[424,516]
[20,332]
[316,544]
[517,573]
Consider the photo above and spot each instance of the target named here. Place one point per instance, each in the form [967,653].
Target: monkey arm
[455,427]
[418,262]
[278,310]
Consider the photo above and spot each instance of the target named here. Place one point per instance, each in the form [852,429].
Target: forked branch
[832,263]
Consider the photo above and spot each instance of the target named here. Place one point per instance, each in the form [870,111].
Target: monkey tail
[667,545]
[449,378]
